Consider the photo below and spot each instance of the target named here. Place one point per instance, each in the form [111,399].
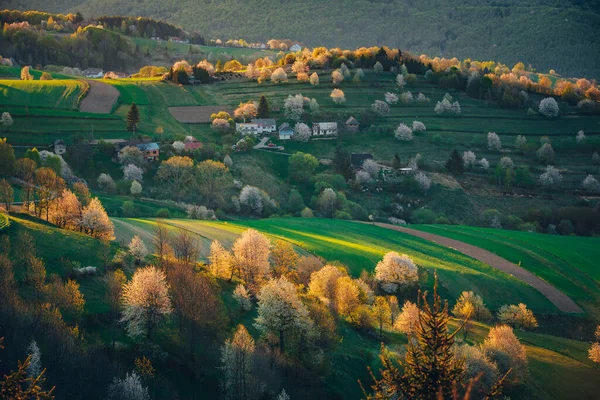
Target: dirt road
[558,298]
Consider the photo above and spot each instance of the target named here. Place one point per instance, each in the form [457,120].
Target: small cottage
[151,151]
[285,131]
[352,125]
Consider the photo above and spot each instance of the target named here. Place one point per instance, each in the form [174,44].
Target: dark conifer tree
[455,164]
[341,162]
[132,118]
[263,107]
[396,162]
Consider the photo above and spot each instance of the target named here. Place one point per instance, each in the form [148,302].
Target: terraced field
[360,247]
[568,263]
[53,94]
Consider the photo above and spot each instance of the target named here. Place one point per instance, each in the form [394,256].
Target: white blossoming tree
[243,297]
[280,310]
[493,141]
[293,107]
[337,77]
[137,248]
[391,98]
[408,319]
[146,302]
[549,108]
[133,173]
[380,108]
[130,388]
[418,126]
[591,184]
[469,159]
[423,182]
[400,82]
[279,76]
[395,270]
[302,132]
[251,253]
[404,132]
[338,97]
[314,79]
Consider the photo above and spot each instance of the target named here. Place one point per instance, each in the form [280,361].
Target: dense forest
[547,34]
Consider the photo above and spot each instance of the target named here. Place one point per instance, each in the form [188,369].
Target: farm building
[191,145]
[93,73]
[151,151]
[59,147]
[357,159]
[257,127]
[285,131]
[325,129]
[352,124]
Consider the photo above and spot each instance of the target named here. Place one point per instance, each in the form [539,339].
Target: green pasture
[361,246]
[61,94]
[568,262]
[15,73]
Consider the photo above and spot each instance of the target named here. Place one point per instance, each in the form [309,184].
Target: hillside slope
[547,34]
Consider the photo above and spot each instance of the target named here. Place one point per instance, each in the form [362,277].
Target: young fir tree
[396,162]
[341,162]
[263,107]
[132,118]
[455,164]
[429,370]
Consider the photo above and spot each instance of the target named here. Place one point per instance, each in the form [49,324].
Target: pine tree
[396,162]
[455,164]
[263,107]
[429,370]
[132,118]
[341,162]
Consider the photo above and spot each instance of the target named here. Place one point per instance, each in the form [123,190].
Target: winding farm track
[558,298]
[100,98]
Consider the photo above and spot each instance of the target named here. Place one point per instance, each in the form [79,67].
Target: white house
[325,129]
[265,126]
[93,73]
[295,48]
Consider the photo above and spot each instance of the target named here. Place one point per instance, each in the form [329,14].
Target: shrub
[423,216]
[163,213]
[546,153]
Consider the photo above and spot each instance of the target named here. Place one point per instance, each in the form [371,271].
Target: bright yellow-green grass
[559,368]
[361,246]
[62,94]
[56,246]
[4,221]
[568,262]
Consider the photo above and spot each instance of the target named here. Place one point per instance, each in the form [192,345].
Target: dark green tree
[133,118]
[7,158]
[455,164]
[341,162]
[429,370]
[396,162]
[201,74]
[295,202]
[263,107]
[34,154]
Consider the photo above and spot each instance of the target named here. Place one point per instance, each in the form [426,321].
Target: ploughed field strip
[100,98]
[558,298]
[196,114]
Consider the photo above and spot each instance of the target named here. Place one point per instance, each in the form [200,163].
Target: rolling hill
[547,34]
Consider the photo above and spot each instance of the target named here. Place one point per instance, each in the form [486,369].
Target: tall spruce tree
[341,162]
[132,118]
[396,162]
[455,164]
[263,107]
[429,370]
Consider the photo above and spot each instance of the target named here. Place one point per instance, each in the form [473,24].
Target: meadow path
[100,98]
[558,298]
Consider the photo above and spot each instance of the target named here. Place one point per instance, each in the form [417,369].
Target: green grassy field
[359,247]
[54,94]
[567,262]
[4,221]
[15,73]
[558,366]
